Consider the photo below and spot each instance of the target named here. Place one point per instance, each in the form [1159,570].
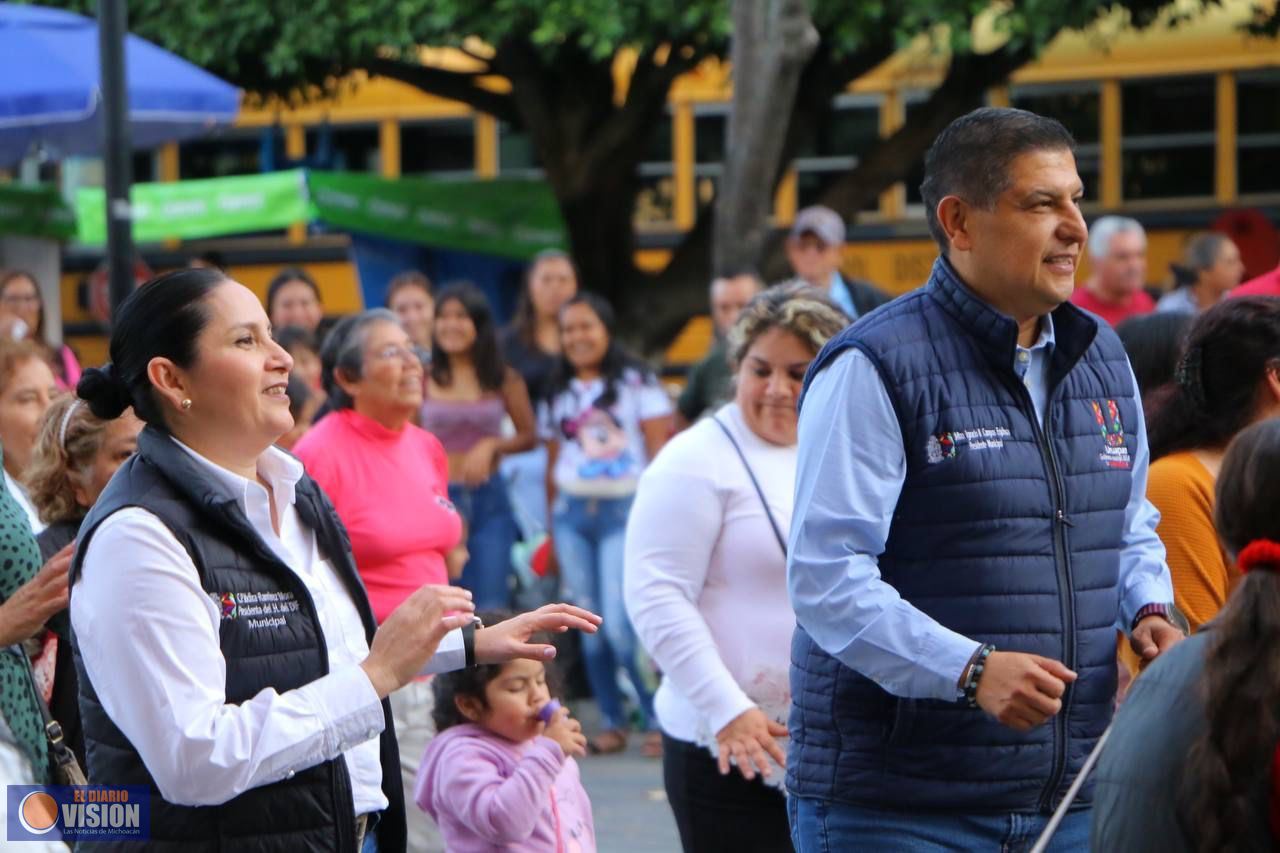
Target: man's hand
[35,601]
[412,633]
[1154,636]
[1022,691]
[509,640]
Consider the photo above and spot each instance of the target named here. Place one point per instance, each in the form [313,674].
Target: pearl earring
[186,404]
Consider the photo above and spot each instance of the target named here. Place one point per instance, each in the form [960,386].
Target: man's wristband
[1165,611]
[969,690]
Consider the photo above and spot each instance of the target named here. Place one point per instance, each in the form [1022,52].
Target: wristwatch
[1168,611]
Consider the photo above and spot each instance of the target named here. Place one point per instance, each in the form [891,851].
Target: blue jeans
[589,535]
[491,531]
[819,826]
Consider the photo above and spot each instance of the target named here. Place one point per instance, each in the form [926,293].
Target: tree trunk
[772,40]
[590,148]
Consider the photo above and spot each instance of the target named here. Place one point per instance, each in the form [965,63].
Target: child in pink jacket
[496,777]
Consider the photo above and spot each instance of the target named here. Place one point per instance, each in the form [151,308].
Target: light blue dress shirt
[851,469]
[841,295]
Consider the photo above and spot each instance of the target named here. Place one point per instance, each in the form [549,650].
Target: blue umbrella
[51,93]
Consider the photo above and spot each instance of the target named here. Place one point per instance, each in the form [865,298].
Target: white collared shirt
[23,500]
[148,634]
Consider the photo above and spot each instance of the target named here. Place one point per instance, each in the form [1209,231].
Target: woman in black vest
[227,653]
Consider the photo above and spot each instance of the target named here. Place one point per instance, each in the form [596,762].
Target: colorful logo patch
[227,601]
[944,446]
[940,447]
[1115,453]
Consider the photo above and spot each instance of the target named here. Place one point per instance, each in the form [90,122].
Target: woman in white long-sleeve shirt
[227,649]
[706,581]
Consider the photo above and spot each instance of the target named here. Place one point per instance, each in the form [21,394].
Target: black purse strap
[777,531]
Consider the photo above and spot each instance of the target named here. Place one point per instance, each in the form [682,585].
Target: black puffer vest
[312,809]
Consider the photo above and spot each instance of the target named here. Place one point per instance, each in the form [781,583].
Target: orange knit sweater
[1181,488]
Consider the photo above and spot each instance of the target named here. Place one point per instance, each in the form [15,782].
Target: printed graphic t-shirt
[601,450]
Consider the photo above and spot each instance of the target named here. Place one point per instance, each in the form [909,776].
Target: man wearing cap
[813,250]
[710,379]
[970,526]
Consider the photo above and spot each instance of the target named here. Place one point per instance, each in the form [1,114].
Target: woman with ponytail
[1228,378]
[1193,760]
[228,656]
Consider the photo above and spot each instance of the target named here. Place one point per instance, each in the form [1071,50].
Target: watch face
[1179,620]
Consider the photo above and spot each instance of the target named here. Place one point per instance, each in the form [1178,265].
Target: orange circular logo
[38,812]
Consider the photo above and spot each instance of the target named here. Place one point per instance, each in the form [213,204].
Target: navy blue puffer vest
[1007,531]
[312,809]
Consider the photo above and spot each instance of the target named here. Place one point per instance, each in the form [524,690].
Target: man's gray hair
[343,350]
[1102,232]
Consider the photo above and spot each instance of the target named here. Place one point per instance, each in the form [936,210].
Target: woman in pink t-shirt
[389,482]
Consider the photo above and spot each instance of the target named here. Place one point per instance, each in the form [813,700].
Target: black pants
[721,813]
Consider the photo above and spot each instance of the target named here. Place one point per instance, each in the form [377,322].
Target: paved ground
[627,799]
[628,802]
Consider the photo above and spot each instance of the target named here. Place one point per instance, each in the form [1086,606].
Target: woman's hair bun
[105,393]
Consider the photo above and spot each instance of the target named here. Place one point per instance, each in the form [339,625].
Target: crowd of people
[879,576]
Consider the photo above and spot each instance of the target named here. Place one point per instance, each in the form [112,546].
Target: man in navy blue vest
[970,526]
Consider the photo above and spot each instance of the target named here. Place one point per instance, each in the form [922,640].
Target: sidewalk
[627,797]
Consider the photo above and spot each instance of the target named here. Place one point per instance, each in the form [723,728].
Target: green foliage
[283,45]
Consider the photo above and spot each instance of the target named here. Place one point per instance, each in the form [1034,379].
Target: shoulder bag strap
[777,531]
[66,768]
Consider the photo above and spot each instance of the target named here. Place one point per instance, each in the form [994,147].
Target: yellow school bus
[1177,128]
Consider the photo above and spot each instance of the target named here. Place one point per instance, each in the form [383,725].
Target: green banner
[205,208]
[511,218]
[35,211]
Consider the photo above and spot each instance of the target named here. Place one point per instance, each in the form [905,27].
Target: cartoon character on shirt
[603,443]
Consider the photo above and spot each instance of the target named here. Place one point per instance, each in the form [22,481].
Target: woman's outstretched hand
[749,738]
[510,639]
[412,633]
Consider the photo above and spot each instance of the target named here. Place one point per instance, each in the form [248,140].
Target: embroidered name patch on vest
[940,448]
[259,609]
[1115,453]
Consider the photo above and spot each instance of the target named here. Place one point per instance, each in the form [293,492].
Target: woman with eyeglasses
[21,300]
[389,482]
[229,657]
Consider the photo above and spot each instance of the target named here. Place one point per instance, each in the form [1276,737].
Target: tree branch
[454,85]
[622,135]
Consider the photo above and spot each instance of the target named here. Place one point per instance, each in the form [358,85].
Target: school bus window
[233,152]
[656,203]
[834,145]
[1077,107]
[710,132]
[913,103]
[516,155]
[440,146]
[345,148]
[1167,146]
[1258,128]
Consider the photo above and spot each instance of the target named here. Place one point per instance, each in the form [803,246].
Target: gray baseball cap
[822,222]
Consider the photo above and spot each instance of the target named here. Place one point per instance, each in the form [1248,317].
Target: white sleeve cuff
[348,707]
[450,655]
